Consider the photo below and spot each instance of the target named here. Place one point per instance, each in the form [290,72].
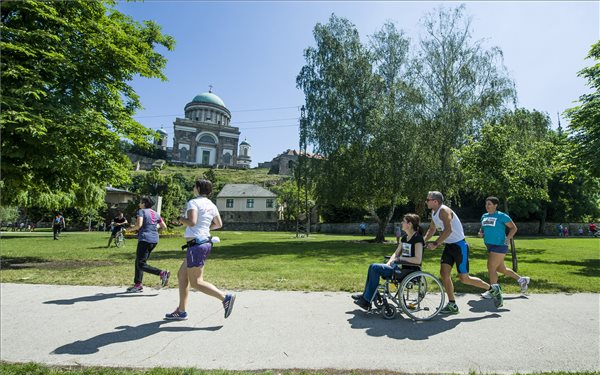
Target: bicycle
[120,238]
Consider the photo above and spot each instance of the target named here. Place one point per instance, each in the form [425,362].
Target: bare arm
[430,231]
[512,230]
[445,216]
[217,222]
[139,221]
[191,219]
[417,259]
[161,224]
[395,256]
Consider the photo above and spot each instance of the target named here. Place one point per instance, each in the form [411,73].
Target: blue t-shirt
[148,231]
[494,227]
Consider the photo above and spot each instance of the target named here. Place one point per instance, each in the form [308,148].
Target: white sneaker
[524,283]
[487,294]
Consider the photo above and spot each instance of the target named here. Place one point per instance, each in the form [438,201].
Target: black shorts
[116,230]
[457,252]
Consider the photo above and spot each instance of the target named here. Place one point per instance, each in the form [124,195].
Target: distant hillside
[257,176]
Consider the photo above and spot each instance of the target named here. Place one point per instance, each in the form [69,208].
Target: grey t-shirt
[148,231]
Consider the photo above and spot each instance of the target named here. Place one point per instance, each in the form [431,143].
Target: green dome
[208,97]
[162,131]
[244,143]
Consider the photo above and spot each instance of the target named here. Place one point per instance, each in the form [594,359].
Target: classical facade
[205,136]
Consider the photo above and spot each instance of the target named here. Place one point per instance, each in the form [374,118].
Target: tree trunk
[382,223]
[543,219]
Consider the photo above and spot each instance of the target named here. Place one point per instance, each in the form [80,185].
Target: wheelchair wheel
[389,311]
[421,296]
[378,300]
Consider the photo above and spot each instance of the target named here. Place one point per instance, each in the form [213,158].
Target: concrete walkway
[102,326]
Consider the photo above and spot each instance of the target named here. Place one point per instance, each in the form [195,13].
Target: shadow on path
[405,328]
[483,305]
[97,297]
[124,333]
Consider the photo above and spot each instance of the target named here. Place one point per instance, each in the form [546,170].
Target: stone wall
[251,227]
[471,228]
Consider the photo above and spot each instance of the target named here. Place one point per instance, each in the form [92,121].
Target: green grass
[280,261]
[36,369]
[257,176]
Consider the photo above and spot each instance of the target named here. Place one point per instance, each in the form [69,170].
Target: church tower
[204,136]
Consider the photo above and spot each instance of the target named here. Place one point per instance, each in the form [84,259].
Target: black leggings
[142,254]
[56,229]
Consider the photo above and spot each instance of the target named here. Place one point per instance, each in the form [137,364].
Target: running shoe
[137,288]
[177,315]
[228,304]
[164,278]
[450,308]
[357,296]
[524,283]
[363,303]
[497,295]
[487,294]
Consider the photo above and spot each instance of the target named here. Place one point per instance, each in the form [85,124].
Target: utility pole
[304,164]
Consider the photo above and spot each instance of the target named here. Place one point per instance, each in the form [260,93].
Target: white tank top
[457,233]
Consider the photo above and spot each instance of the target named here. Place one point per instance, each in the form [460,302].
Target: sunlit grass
[280,261]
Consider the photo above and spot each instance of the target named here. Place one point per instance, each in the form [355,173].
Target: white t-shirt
[206,212]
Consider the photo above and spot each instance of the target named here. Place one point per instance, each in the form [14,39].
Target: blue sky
[251,53]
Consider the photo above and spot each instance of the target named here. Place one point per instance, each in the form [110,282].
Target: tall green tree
[585,118]
[512,158]
[463,84]
[357,101]
[66,99]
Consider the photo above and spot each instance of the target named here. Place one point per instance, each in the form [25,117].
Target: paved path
[102,326]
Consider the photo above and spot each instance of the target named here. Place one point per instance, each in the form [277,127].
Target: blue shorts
[457,252]
[197,254]
[500,249]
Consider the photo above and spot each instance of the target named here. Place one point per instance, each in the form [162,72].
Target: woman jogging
[146,221]
[201,216]
[493,231]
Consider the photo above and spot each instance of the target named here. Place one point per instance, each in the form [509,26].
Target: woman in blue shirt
[493,231]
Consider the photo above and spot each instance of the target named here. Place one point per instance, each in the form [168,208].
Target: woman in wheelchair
[406,259]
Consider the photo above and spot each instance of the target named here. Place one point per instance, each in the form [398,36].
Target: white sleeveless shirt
[457,233]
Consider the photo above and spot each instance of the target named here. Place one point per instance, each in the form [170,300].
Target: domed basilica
[204,137]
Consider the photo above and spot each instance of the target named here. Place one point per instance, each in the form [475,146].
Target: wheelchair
[420,295]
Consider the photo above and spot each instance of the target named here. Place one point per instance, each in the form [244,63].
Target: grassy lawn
[280,261]
[35,369]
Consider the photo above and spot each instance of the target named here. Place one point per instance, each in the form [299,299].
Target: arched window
[206,139]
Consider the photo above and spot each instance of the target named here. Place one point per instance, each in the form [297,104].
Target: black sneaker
[357,296]
[228,304]
[363,303]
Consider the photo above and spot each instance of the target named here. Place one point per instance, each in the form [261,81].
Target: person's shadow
[97,297]
[403,327]
[483,305]
[124,333]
